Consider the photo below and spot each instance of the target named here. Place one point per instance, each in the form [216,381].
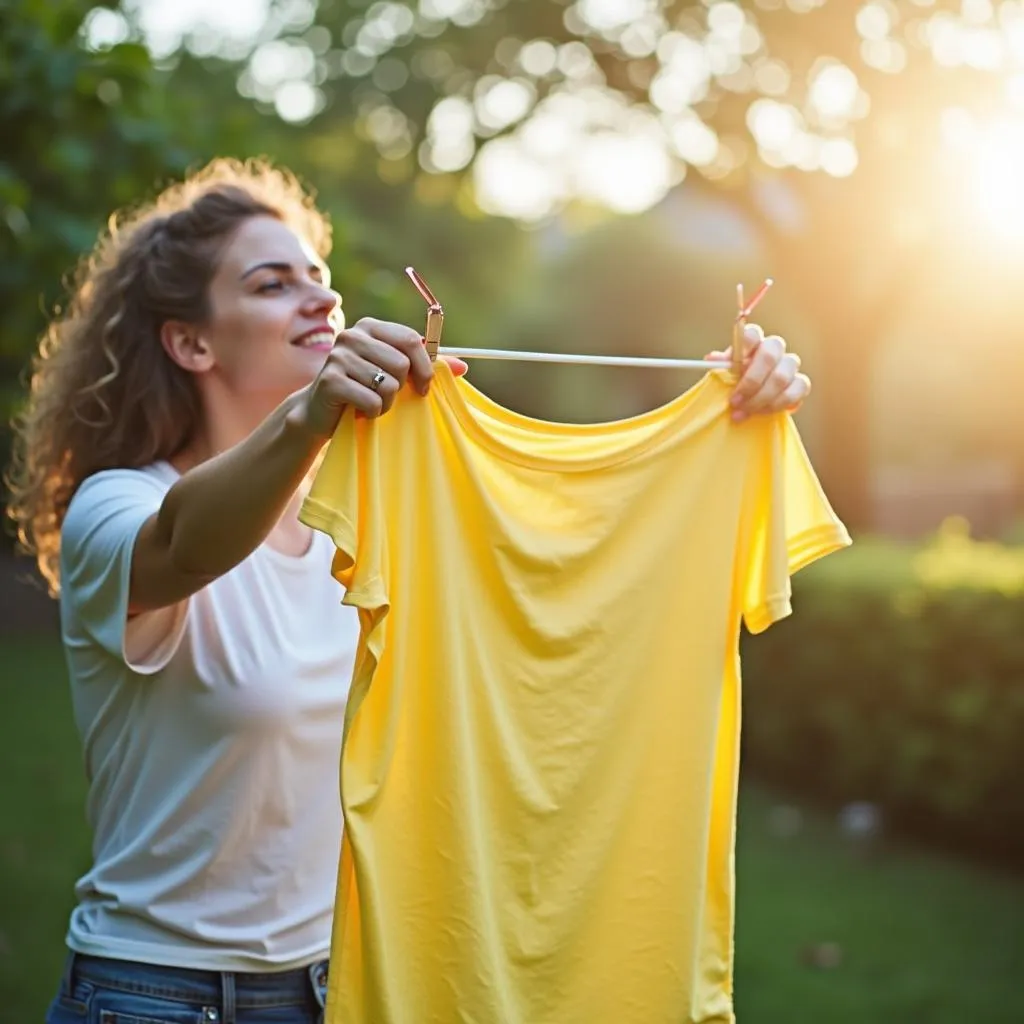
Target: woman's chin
[309,362]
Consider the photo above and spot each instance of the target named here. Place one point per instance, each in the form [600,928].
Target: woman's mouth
[319,341]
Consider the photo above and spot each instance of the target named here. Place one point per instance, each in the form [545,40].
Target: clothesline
[587,360]
[435,323]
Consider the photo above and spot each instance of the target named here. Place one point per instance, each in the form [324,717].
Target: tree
[78,137]
[90,127]
[822,120]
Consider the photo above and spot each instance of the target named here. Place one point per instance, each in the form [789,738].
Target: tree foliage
[857,242]
[88,130]
[408,95]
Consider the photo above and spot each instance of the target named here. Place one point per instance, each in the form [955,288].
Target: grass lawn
[923,940]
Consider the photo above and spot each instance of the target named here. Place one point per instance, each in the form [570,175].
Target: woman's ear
[184,344]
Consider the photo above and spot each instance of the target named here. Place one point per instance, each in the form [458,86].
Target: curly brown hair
[104,394]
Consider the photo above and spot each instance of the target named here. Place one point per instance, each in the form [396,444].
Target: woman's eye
[270,286]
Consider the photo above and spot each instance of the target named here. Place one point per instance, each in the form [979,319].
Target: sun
[997,178]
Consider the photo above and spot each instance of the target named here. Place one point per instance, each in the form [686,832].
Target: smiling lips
[320,340]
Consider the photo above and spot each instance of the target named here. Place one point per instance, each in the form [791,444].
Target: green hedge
[900,680]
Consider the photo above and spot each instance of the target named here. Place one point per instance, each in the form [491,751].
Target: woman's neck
[223,423]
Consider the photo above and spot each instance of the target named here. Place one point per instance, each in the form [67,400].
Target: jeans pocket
[110,1006]
[119,1017]
[71,1007]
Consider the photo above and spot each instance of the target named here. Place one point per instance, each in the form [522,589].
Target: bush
[900,680]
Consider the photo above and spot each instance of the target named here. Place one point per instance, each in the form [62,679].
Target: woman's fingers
[396,349]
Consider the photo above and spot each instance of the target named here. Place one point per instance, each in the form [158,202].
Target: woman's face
[273,317]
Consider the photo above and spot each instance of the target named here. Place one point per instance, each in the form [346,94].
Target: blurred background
[597,176]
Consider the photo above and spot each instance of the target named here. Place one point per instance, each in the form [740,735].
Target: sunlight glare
[772,77]
[727,19]
[834,91]
[999,171]
[694,141]
[1015,89]
[983,49]
[606,15]
[1013,35]
[888,55]
[774,125]
[165,25]
[538,58]
[626,173]
[586,145]
[297,101]
[838,157]
[449,144]
[509,182]
[278,61]
[685,75]
[945,37]
[874,21]
[103,28]
[502,101]
[977,12]
[957,128]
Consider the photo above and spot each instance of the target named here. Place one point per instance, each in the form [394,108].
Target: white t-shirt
[212,736]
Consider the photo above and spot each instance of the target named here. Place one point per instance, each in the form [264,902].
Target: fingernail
[736,401]
[738,416]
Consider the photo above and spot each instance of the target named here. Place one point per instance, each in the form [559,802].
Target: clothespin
[435,322]
[435,314]
[743,310]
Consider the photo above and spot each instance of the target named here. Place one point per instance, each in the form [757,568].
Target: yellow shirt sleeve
[787,523]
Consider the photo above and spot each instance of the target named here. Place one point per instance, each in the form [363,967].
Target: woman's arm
[218,513]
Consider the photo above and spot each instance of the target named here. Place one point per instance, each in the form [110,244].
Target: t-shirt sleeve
[97,541]
[787,523]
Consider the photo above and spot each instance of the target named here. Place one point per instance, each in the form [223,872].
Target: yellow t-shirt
[540,756]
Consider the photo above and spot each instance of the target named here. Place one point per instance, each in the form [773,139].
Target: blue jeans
[95,990]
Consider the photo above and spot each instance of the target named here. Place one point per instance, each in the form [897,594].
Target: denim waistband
[246,989]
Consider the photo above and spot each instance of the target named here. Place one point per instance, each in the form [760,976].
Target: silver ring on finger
[378,378]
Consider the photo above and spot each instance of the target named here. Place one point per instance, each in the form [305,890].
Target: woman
[177,407]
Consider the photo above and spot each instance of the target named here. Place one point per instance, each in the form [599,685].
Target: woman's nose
[324,298]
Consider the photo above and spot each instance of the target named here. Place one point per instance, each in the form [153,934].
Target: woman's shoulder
[108,492]
[157,477]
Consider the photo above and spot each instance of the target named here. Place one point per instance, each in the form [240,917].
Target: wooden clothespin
[743,310]
[435,322]
[435,314]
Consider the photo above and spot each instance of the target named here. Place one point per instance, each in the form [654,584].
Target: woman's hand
[369,364]
[771,381]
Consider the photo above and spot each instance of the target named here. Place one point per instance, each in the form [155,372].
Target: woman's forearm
[216,514]
[219,512]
